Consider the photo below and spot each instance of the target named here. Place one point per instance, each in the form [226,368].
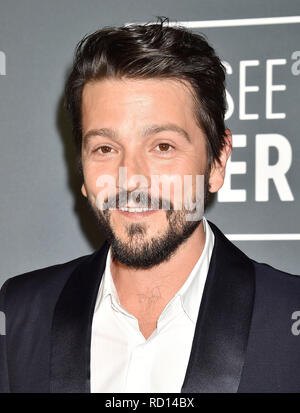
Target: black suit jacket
[243,340]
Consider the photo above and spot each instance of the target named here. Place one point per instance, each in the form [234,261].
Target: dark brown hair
[153,51]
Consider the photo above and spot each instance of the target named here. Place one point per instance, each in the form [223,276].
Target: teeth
[135,209]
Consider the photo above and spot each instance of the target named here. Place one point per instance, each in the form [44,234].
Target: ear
[217,174]
[83,190]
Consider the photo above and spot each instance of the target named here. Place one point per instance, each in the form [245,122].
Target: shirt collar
[191,291]
[108,285]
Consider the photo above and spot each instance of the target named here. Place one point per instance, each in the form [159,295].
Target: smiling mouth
[132,209]
[134,212]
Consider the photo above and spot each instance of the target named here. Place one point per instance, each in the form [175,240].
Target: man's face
[147,126]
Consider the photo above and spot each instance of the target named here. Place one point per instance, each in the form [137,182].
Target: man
[168,304]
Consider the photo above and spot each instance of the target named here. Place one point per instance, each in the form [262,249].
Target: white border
[263,237]
[261,21]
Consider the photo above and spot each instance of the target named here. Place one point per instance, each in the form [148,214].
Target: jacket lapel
[71,327]
[222,329]
[221,334]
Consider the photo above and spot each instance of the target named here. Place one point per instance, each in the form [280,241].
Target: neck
[147,291]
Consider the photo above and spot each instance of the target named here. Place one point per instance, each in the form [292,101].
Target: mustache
[138,199]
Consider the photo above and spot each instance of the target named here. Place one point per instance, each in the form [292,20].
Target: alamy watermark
[168,192]
[2,63]
[296,325]
[2,324]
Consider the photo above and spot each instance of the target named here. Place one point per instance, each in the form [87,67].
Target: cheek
[91,182]
[89,178]
[190,165]
[101,185]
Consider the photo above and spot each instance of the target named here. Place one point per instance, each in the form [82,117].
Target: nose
[133,173]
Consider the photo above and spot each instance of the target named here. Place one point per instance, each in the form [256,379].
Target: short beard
[140,254]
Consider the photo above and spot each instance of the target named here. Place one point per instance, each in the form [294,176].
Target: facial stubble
[139,252]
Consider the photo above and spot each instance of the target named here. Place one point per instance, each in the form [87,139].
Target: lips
[132,209]
[135,212]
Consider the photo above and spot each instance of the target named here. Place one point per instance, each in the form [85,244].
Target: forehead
[116,100]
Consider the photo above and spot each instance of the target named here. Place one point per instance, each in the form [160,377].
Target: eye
[164,147]
[104,149]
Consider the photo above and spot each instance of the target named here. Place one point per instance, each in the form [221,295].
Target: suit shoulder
[25,286]
[276,282]
[270,271]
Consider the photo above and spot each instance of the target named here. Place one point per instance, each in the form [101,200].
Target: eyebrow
[149,130]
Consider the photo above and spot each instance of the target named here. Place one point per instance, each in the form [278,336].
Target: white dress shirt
[122,360]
